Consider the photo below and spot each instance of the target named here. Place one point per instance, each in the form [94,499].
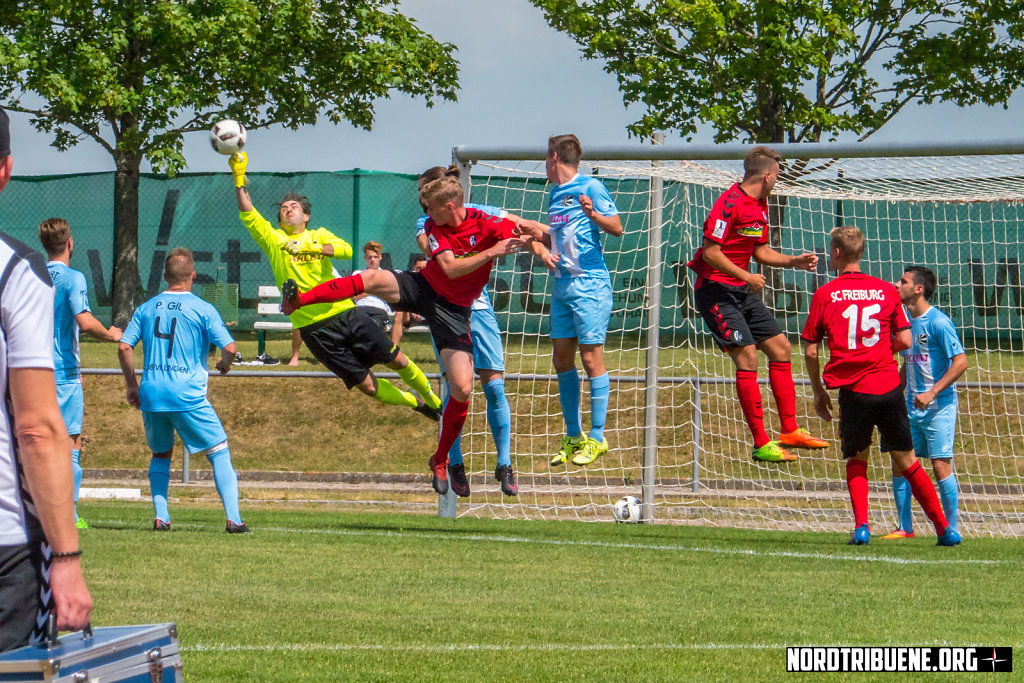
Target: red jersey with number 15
[739,223]
[858,313]
[480,231]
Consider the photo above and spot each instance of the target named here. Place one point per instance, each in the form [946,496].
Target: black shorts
[735,316]
[448,322]
[21,601]
[859,414]
[349,344]
[377,315]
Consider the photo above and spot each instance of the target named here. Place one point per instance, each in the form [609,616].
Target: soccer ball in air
[627,510]
[227,137]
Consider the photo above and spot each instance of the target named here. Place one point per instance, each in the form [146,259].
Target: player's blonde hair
[849,241]
[374,247]
[759,160]
[442,191]
[54,234]
[179,265]
[567,148]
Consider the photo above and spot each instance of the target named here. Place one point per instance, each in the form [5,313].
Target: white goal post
[678,440]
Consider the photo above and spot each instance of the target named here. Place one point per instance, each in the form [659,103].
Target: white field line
[545,647]
[944,559]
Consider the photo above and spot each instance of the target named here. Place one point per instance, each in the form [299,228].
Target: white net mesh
[960,216]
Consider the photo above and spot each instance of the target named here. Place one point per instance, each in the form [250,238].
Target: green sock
[414,377]
[393,396]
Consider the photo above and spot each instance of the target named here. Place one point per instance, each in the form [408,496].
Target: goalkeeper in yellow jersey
[340,335]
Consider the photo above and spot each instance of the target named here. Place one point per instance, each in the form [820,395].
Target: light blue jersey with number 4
[176,330]
[573,235]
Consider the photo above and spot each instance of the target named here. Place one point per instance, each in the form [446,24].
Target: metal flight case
[142,654]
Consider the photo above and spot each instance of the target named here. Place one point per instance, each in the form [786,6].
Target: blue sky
[521,81]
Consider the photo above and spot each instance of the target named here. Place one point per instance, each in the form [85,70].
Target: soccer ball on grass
[227,137]
[627,510]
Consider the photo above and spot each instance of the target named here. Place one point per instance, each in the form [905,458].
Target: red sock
[750,402]
[780,377]
[451,425]
[333,290]
[857,483]
[924,492]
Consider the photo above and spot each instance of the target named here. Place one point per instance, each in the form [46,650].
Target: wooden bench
[269,307]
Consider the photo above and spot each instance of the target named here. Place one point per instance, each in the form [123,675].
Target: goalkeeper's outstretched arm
[238,162]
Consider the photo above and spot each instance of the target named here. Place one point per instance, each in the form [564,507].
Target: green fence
[973,247]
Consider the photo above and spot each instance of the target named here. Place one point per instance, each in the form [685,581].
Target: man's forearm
[88,324]
[45,454]
[813,367]
[769,257]
[127,361]
[722,264]
[244,201]
[956,368]
[465,265]
[610,224]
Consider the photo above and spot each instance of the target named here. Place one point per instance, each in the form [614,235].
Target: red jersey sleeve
[716,227]
[436,242]
[503,229]
[814,328]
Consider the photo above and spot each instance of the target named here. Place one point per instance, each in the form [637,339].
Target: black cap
[5,135]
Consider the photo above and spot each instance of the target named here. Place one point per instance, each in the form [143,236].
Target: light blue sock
[226,481]
[949,494]
[569,397]
[159,481]
[76,469]
[599,388]
[901,494]
[499,417]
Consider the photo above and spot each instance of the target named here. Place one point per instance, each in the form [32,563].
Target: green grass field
[321,594]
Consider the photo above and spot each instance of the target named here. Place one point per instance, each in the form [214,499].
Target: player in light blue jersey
[488,361]
[176,329]
[579,208]
[71,314]
[931,366]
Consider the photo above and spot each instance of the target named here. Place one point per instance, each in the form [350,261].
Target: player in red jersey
[726,293]
[863,320]
[463,245]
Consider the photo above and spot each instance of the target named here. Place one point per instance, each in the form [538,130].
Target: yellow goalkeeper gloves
[238,162]
[293,247]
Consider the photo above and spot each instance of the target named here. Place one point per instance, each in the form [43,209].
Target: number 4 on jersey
[169,336]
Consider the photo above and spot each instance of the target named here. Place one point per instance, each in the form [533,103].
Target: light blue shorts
[933,431]
[72,405]
[581,308]
[200,429]
[488,353]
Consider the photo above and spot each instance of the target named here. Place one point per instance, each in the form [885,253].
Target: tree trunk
[125,286]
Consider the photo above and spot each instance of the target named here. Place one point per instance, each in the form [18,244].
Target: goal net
[673,398]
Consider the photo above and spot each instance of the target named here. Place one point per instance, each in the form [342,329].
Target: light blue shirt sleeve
[133,332]
[950,340]
[603,202]
[78,293]
[216,330]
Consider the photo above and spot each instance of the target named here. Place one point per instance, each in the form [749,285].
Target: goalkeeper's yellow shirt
[308,270]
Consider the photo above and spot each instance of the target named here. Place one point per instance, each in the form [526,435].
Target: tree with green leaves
[135,75]
[796,70]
